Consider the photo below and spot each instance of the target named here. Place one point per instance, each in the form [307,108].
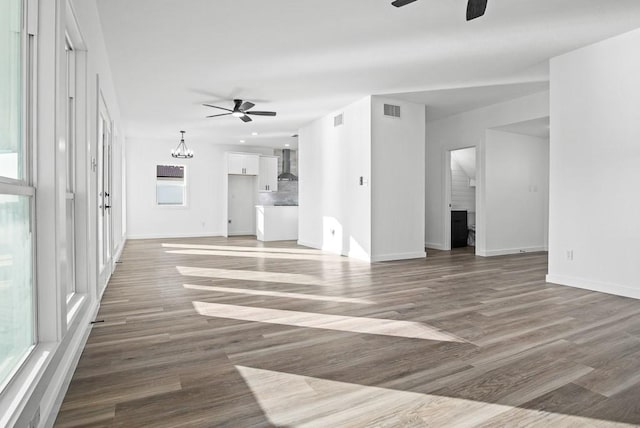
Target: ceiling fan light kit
[475,8]
[241,111]
[182,152]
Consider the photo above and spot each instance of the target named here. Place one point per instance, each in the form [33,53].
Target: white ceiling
[306,58]
[446,102]
[535,127]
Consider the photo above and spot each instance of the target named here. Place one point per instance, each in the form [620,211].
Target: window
[170,185]
[17,315]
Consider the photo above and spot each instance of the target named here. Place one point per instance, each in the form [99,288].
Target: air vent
[338,120]
[391,110]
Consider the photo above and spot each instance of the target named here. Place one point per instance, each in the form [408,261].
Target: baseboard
[505,252]
[602,287]
[399,256]
[309,244]
[247,233]
[118,252]
[59,384]
[175,235]
[435,246]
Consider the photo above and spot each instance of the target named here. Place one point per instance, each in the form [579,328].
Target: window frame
[184,186]
[24,186]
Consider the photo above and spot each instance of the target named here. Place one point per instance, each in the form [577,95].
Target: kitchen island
[277,222]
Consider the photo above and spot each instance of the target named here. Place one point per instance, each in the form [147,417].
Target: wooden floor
[227,332]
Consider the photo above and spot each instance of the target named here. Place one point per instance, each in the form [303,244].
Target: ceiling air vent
[338,120]
[391,110]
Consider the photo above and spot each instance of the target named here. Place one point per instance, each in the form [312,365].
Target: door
[105,239]
[268,177]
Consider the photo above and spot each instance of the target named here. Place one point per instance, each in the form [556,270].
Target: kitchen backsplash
[287,194]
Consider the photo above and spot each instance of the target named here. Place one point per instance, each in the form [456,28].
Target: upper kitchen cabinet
[243,163]
[268,177]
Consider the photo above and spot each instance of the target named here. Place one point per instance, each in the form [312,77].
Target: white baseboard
[309,244]
[59,384]
[119,250]
[175,235]
[602,287]
[399,256]
[244,233]
[435,246]
[509,251]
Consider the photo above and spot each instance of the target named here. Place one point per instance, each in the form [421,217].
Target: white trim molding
[505,252]
[602,287]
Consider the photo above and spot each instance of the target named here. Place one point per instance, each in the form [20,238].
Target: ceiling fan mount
[241,110]
[475,8]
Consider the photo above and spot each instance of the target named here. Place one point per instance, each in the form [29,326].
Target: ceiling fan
[241,110]
[475,8]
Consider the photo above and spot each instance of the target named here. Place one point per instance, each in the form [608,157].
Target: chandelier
[182,151]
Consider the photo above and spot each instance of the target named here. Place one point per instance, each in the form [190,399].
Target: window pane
[16,291]
[170,192]
[10,90]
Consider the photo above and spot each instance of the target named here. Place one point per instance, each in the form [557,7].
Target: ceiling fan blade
[221,108]
[218,115]
[476,8]
[237,104]
[400,3]
[246,106]
[262,113]
[245,118]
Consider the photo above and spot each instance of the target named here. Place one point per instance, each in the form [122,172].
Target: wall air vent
[391,110]
[338,120]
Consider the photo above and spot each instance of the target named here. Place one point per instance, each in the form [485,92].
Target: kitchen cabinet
[276,223]
[243,164]
[268,176]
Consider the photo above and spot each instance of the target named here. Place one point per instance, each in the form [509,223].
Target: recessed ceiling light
[287,145]
[254,133]
[242,141]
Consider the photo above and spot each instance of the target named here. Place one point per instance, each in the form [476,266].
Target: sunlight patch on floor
[239,248]
[364,325]
[262,255]
[303,401]
[250,275]
[337,299]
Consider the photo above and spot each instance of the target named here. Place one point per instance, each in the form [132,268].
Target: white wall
[397,183]
[462,131]
[382,219]
[516,197]
[206,180]
[595,160]
[335,211]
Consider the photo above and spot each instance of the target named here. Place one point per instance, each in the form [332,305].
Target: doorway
[460,206]
[241,203]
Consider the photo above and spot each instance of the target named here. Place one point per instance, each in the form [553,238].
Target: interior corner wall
[462,131]
[595,158]
[205,181]
[397,181]
[334,209]
[516,183]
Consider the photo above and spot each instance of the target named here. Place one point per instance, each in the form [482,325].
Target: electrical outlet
[570,255]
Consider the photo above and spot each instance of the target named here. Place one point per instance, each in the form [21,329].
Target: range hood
[286,167]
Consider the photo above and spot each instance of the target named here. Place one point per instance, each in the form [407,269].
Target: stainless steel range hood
[286,167]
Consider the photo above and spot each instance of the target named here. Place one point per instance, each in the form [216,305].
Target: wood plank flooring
[208,332]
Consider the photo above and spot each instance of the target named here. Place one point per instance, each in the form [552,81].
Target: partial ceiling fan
[475,8]
[241,110]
